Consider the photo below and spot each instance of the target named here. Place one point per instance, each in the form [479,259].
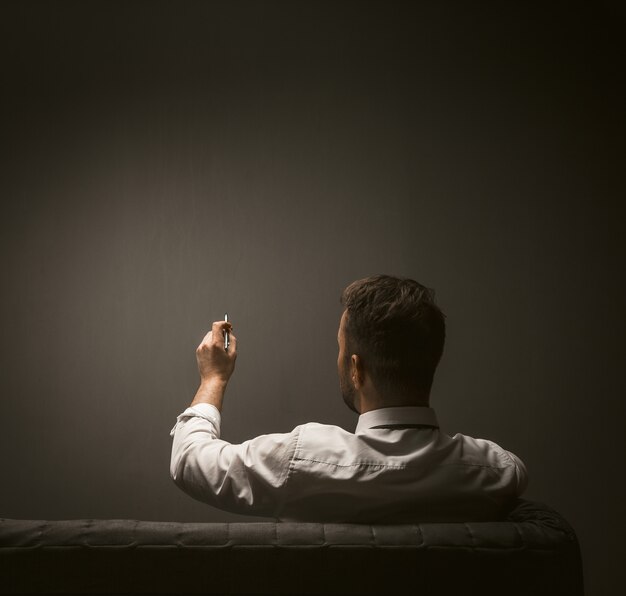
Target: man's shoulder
[317,436]
[320,428]
[306,433]
[482,451]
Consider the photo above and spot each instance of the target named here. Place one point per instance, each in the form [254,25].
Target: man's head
[391,334]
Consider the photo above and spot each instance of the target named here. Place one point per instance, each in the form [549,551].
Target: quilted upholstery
[533,551]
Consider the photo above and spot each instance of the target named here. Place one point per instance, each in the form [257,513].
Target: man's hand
[215,364]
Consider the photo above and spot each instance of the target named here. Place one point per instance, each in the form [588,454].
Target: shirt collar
[398,415]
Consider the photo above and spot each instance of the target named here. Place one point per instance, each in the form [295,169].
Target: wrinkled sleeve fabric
[247,478]
[521,473]
[513,470]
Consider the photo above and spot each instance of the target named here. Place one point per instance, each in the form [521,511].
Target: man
[396,467]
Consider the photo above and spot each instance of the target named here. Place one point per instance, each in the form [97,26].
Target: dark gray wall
[166,162]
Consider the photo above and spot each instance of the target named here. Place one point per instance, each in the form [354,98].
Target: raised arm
[244,478]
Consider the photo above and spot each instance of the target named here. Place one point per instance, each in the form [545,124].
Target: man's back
[397,467]
[407,472]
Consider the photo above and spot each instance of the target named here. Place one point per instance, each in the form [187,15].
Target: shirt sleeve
[521,473]
[246,478]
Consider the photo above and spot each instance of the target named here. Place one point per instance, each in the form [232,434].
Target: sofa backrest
[533,551]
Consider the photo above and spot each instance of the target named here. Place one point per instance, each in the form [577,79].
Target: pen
[226,337]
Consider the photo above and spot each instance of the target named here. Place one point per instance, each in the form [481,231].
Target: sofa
[532,550]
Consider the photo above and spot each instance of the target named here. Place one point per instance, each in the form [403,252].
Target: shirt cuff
[207,411]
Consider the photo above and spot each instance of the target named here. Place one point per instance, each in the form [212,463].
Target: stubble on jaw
[348,391]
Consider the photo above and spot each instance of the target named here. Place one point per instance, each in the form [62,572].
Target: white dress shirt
[410,472]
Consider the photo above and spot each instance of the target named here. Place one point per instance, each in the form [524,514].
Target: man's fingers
[216,335]
[219,327]
[232,340]
[217,332]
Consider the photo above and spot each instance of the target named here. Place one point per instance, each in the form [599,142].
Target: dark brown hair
[396,328]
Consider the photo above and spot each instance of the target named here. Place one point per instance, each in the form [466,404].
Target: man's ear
[357,373]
